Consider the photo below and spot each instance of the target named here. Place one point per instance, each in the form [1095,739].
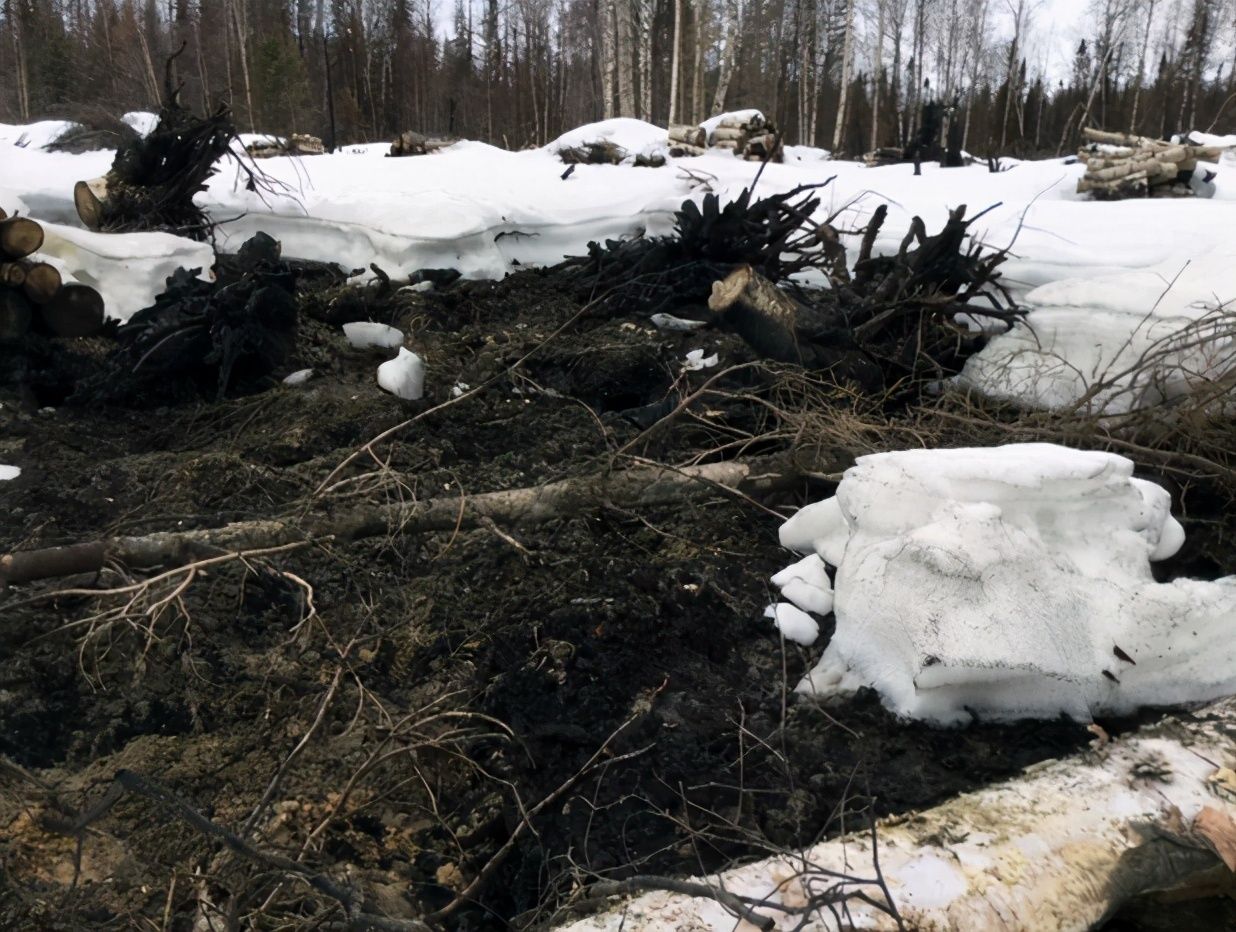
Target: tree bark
[847,46]
[1060,847]
[639,487]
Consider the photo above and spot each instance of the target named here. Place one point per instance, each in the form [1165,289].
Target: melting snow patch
[1009,582]
[9,472]
[299,377]
[697,360]
[366,335]
[793,623]
[403,376]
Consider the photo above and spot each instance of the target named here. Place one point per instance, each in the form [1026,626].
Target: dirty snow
[403,376]
[1011,582]
[364,334]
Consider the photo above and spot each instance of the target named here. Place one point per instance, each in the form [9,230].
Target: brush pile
[153,179]
[412,143]
[203,337]
[1121,166]
[888,327]
[33,293]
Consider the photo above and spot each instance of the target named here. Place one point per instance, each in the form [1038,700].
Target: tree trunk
[638,487]
[624,57]
[847,46]
[675,63]
[733,37]
[1060,847]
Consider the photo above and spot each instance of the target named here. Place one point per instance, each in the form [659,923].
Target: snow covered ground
[1101,276]
[1007,582]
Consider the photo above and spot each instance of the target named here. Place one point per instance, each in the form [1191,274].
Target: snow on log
[1060,847]
[1011,582]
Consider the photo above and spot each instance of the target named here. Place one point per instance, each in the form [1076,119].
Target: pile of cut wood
[886,155]
[296,144]
[33,295]
[1119,165]
[410,143]
[752,138]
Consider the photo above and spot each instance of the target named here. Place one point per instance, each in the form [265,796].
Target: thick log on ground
[19,236]
[408,143]
[681,149]
[723,133]
[41,282]
[15,315]
[12,274]
[76,310]
[632,488]
[1061,847]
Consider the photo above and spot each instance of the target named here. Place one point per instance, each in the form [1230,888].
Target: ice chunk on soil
[364,334]
[793,623]
[404,375]
[299,377]
[9,472]
[806,584]
[696,360]
[670,322]
[1011,582]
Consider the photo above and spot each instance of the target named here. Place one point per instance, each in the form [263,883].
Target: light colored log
[688,135]
[1060,847]
[722,134]
[631,488]
[88,198]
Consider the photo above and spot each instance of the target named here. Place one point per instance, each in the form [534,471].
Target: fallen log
[1061,847]
[12,274]
[40,282]
[15,315]
[19,236]
[75,310]
[631,488]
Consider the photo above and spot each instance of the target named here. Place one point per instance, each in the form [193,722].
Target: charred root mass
[661,273]
[893,323]
[214,337]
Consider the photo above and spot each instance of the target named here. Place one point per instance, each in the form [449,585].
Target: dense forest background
[844,74]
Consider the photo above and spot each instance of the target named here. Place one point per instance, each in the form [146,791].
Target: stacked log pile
[886,155]
[686,140]
[754,139]
[296,144]
[1119,165]
[412,143]
[33,294]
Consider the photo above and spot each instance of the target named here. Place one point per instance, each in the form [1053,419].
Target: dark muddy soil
[448,682]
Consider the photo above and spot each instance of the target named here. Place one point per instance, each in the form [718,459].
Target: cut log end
[75,311]
[89,203]
[19,236]
[41,282]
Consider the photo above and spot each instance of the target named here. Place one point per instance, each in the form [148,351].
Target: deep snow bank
[1010,582]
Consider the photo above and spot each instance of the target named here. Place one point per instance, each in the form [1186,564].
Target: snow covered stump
[1008,582]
